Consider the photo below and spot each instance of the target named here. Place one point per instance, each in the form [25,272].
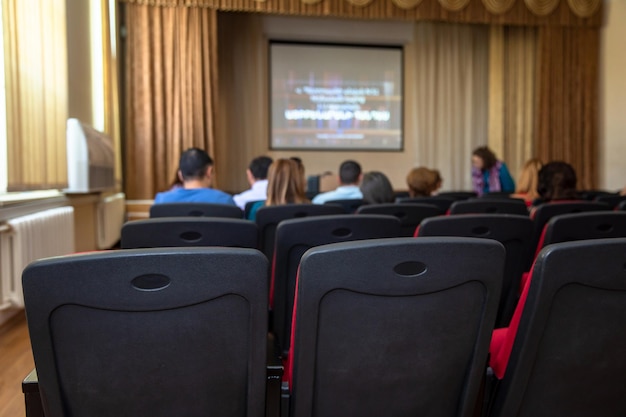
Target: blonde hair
[423,182]
[529,178]
[285,183]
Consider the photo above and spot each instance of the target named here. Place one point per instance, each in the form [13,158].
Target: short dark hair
[259,166]
[557,181]
[487,155]
[349,172]
[194,163]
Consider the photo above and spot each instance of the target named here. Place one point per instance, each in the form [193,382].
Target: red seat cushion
[502,339]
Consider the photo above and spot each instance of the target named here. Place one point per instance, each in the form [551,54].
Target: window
[35,94]
[35,89]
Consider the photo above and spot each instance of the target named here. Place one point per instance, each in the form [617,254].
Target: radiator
[111,216]
[27,238]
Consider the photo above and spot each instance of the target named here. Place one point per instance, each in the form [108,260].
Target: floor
[16,361]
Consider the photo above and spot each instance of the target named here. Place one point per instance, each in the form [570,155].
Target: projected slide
[336,97]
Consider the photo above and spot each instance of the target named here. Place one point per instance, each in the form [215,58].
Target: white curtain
[450,83]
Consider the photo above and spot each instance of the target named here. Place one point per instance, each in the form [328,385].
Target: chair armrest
[32,399]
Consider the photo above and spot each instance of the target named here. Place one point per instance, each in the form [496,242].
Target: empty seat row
[301,233]
[395,326]
[176,331]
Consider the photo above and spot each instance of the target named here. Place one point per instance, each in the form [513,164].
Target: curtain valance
[513,12]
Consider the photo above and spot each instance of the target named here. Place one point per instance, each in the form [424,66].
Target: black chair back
[392,327]
[151,332]
[584,226]
[195,210]
[312,186]
[457,195]
[296,236]
[544,212]
[267,219]
[410,215]
[513,231]
[189,231]
[490,206]
[443,203]
[568,353]
[498,195]
[613,200]
[349,206]
[591,195]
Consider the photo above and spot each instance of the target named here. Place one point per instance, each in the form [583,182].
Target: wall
[613,97]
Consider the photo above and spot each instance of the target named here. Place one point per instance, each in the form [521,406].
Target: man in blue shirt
[195,170]
[349,179]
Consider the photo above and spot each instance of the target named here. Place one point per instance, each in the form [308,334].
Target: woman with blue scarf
[488,174]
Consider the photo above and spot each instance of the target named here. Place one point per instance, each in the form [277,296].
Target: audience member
[376,188]
[423,182]
[349,179]
[300,164]
[489,174]
[285,186]
[257,178]
[528,180]
[297,160]
[556,181]
[195,170]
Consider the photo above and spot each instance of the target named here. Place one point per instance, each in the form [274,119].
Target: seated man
[349,179]
[195,170]
[257,178]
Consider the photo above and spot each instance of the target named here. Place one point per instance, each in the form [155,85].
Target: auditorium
[218,207]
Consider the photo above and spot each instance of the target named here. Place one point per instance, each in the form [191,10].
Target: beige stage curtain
[111,83]
[451,93]
[171,91]
[35,50]
[512,70]
[567,99]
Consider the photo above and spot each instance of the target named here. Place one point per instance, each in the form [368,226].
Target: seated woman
[376,188]
[489,174]
[527,183]
[285,185]
[556,181]
[423,182]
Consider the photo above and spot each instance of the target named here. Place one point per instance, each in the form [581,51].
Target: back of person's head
[349,172]
[297,160]
[423,182]
[259,166]
[557,181]
[193,163]
[376,188]
[529,178]
[300,165]
[487,156]
[438,180]
[285,183]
